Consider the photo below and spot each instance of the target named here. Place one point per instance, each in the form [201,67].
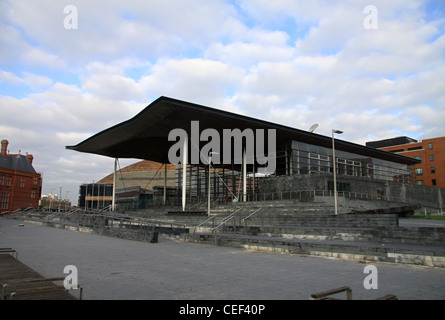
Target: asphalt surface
[112,268]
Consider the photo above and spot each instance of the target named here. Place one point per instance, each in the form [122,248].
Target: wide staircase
[361,231]
[287,226]
[311,229]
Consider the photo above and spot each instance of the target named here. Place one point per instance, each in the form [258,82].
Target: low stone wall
[381,235]
[365,252]
[408,193]
[129,232]
[318,220]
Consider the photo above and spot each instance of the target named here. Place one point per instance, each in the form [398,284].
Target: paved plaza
[113,268]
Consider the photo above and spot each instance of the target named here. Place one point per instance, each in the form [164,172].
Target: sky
[70,69]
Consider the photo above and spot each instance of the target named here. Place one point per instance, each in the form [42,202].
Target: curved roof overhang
[145,136]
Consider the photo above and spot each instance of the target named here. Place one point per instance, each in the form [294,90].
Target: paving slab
[112,268]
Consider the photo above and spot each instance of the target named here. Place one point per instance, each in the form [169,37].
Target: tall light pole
[50,200]
[66,198]
[335,168]
[113,199]
[60,196]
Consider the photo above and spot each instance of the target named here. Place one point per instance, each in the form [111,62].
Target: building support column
[184,173]
[164,199]
[254,182]
[244,175]
[113,202]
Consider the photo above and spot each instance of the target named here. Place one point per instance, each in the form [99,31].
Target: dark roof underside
[145,136]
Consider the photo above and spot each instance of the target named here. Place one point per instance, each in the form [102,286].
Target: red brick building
[20,184]
[431,172]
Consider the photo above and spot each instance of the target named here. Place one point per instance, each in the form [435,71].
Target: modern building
[430,152]
[138,186]
[173,129]
[20,184]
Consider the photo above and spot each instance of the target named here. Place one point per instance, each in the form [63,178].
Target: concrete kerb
[352,250]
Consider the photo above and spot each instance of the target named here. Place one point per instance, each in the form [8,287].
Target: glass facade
[303,158]
[97,196]
[295,158]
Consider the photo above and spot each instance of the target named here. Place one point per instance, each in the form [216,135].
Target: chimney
[4,148]
[30,157]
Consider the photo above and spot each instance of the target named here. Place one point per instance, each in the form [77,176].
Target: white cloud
[9,77]
[245,54]
[36,81]
[32,80]
[195,80]
[114,87]
[290,62]
[38,57]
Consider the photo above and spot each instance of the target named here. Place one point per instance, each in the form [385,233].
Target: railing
[213,218]
[96,219]
[201,224]
[248,217]
[226,219]
[299,195]
[308,194]
[326,294]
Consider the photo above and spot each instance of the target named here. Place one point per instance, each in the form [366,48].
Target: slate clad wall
[428,197]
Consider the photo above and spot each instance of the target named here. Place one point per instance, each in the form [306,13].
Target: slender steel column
[184,173]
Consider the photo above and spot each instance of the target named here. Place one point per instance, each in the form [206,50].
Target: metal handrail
[226,219]
[202,223]
[244,219]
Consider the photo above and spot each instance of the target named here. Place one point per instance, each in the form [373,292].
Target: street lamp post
[66,198]
[335,169]
[60,196]
[50,200]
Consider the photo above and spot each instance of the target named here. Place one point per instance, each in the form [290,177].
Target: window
[433,182]
[419,182]
[433,170]
[2,180]
[4,200]
[418,171]
[430,146]
[22,183]
[8,180]
[341,187]
[431,157]
[418,158]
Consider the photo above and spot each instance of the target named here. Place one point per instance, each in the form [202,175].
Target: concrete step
[401,235]
[433,256]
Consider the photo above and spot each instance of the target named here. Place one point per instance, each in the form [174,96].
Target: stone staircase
[293,227]
[296,228]
[388,244]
